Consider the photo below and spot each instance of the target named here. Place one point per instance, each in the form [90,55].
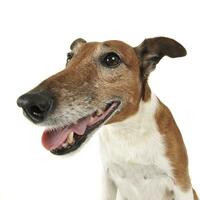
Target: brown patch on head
[175,148]
[85,77]
[125,79]
[127,53]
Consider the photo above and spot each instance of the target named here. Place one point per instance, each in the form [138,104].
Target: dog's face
[96,75]
[101,83]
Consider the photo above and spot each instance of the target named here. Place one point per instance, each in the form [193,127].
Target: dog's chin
[69,138]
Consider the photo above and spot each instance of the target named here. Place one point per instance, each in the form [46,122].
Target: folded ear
[150,52]
[77,43]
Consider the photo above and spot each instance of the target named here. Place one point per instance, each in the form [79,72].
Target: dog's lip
[54,140]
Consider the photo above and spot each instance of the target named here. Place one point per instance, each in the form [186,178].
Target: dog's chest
[139,169]
[134,158]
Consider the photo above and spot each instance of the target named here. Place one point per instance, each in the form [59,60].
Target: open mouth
[69,138]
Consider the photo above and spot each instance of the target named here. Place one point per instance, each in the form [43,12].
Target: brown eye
[110,60]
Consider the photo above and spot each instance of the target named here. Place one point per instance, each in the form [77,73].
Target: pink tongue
[54,139]
[81,126]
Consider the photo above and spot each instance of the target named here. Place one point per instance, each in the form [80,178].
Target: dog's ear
[77,43]
[150,52]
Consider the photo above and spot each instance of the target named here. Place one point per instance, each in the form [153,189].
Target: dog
[105,86]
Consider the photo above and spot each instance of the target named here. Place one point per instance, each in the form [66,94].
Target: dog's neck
[140,123]
[154,121]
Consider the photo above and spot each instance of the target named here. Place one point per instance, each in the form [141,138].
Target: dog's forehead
[117,45]
[95,49]
[110,45]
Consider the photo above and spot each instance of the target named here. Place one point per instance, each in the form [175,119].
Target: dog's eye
[69,56]
[110,60]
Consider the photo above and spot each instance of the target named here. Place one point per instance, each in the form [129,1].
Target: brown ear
[150,52]
[77,43]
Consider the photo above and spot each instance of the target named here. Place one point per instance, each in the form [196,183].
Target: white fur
[133,154]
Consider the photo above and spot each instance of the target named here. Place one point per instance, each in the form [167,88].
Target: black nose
[36,105]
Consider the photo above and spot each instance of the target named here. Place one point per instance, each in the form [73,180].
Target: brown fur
[133,87]
[176,151]
[146,91]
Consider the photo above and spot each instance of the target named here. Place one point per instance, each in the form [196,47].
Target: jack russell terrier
[106,85]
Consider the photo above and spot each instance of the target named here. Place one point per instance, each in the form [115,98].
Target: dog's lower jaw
[135,160]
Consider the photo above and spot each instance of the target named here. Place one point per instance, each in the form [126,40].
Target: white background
[34,39]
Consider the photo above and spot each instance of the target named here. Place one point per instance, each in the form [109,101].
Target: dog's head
[101,83]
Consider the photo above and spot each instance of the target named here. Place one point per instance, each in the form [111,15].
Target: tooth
[65,144]
[99,112]
[70,138]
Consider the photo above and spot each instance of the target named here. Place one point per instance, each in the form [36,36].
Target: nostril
[35,111]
